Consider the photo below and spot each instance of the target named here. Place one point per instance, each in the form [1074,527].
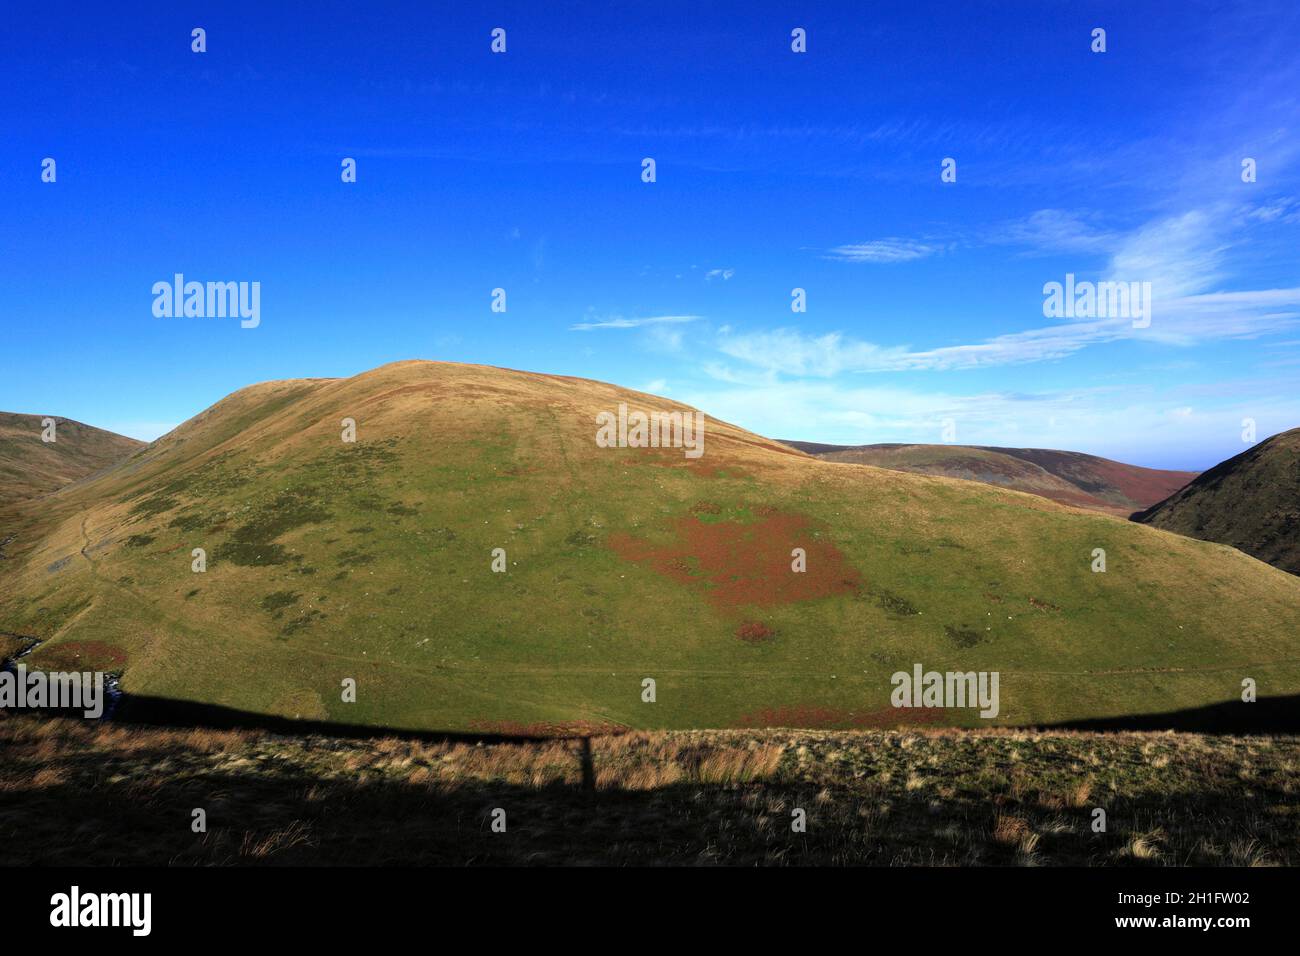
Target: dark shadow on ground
[1267,715]
[146,711]
[132,800]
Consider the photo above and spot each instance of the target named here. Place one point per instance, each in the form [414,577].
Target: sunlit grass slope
[372,560]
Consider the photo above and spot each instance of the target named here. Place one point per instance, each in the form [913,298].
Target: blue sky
[775,170]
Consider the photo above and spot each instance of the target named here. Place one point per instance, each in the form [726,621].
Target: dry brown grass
[260,847]
[1009,831]
[878,797]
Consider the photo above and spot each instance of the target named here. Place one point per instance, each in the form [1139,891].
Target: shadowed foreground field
[72,792]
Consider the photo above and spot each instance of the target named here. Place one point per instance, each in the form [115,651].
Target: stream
[113,693]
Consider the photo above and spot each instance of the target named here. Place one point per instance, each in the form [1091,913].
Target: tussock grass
[103,793]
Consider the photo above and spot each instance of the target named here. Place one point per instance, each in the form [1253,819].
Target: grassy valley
[328,560]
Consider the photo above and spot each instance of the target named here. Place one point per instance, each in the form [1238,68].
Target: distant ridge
[1070,477]
[30,467]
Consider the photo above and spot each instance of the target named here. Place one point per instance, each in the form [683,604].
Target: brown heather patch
[1143,486]
[81,656]
[754,632]
[741,564]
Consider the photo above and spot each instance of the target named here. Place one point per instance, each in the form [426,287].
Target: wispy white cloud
[663,338]
[1051,231]
[1182,256]
[1285,209]
[882,250]
[1185,321]
[723,274]
[619,322]
[1142,424]
[1178,255]
[792,352]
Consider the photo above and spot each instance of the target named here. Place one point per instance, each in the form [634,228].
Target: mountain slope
[30,467]
[1072,478]
[1251,502]
[372,561]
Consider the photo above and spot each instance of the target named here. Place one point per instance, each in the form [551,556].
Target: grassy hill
[372,561]
[1251,501]
[1069,477]
[30,467]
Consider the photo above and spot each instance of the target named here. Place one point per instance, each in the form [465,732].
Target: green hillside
[372,560]
[1251,501]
